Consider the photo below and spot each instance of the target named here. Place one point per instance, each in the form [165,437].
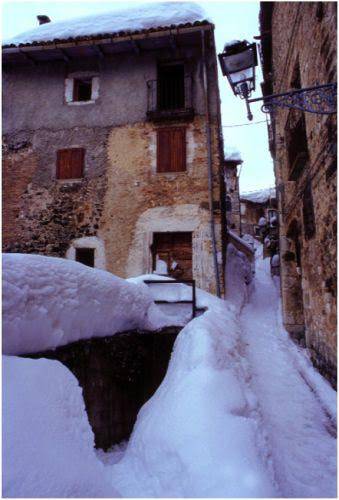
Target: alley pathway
[241,411]
[293,402]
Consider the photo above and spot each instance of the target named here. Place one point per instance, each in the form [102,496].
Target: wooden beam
[172,42]
[28,58]
[98,50]
[135,46]
[64,55]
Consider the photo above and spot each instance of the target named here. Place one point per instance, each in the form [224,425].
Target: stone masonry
[300,52]
[121,200]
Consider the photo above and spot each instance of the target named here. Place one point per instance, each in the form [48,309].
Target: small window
[308,212]
[228,204]
[70,163]
[296,142]
[82,89]
[85,256]
[171,150]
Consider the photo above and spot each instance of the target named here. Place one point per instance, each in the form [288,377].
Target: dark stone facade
[300,52]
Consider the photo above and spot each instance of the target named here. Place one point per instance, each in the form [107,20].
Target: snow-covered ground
[240,413]
[47,440]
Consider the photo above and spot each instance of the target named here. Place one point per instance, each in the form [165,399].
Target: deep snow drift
[140,17]
[47,440]
[49,302]
[243,412]
[240,413]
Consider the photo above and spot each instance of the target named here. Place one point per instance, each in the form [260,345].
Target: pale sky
[233,20]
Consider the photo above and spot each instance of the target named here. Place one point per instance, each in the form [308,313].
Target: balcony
[170,99]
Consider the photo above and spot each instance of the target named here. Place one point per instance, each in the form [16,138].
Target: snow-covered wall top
[142,17]
[260,196]
[48,302]
[232,154]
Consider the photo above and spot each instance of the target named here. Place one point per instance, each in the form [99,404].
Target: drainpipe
[209,160]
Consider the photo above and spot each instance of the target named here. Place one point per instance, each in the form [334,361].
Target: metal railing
[185,282]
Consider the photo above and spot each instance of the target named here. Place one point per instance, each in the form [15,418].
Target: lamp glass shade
[238,62]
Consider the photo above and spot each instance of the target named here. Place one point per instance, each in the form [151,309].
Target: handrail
[166,282]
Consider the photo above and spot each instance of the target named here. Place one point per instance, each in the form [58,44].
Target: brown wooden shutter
[70,163]
[171,150]
[77,162]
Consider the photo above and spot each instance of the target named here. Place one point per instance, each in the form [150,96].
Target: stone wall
[117,374]
[232,197]
[308,286]
[121,200]
[140,201]
[48,214]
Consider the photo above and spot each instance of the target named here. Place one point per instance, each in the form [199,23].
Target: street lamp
[238,62]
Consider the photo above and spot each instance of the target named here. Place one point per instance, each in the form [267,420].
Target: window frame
[69,90]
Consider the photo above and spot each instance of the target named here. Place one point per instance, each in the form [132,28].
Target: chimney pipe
[43,19]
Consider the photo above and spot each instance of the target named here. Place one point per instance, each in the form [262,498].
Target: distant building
[112,139]
[299,50]
[231,165]
[256,206]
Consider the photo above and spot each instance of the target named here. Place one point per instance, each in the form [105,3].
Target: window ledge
[79,103]
[70,181]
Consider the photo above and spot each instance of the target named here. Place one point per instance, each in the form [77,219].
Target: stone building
[232,165]
[298,48]
[256,205]
[112,144]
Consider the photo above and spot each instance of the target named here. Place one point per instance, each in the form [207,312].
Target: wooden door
[176,250]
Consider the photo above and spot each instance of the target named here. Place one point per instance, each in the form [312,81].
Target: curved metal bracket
[321,99]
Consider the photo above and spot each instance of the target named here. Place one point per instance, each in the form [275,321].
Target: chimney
[43,19]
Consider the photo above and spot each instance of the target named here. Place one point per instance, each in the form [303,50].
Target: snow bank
[232,154]
[296,406]
[49,302]
[47,440]
[260,196]
[195,437]
[149,15]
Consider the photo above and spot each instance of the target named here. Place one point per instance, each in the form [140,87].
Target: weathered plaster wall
[43,214]
[120,182]
[139,201]
[39,91]
[294,23]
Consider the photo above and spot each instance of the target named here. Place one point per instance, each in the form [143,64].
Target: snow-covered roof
[230,43]
[148,16]
[259,196]
[232,154]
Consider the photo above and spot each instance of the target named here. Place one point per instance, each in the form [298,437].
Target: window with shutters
[171,149]
[70,163]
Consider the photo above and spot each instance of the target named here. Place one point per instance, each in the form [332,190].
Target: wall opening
[85,256]
[174,252]
[171,86]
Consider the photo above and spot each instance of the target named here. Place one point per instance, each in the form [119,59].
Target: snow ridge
[141,17]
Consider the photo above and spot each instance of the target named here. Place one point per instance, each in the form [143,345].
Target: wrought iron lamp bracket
[321,99]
